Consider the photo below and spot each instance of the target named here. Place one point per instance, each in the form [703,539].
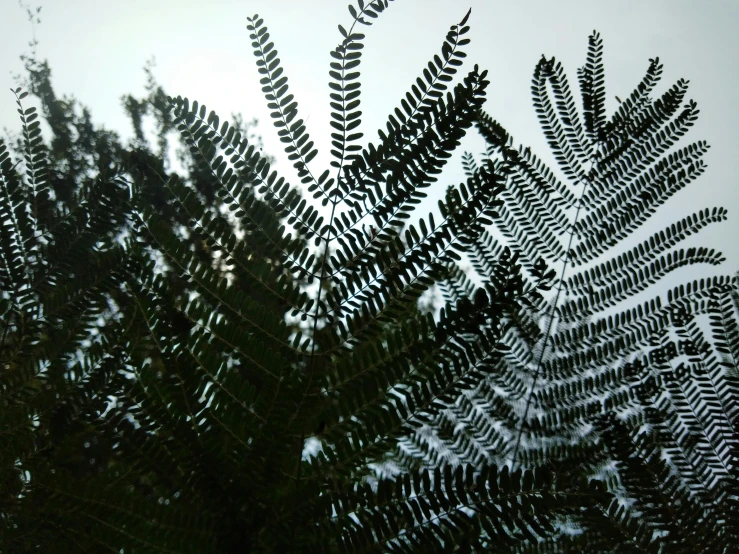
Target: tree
[80,191]
[205,457]
[60,265]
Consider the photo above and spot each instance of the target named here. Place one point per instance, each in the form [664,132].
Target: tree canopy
[200,361]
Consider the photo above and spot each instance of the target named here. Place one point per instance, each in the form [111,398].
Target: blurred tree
[83,160]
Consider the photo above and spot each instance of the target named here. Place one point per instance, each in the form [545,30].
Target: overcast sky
[97,51]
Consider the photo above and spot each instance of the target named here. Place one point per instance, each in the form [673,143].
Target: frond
[576,353]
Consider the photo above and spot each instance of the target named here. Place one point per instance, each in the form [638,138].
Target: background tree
[59,269]
[67,184]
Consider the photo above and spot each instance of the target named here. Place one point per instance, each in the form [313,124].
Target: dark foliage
[640,397]
[233,387]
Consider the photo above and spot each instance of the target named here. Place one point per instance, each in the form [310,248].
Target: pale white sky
[97,50]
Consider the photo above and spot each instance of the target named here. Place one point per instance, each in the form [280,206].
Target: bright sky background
[97,51]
